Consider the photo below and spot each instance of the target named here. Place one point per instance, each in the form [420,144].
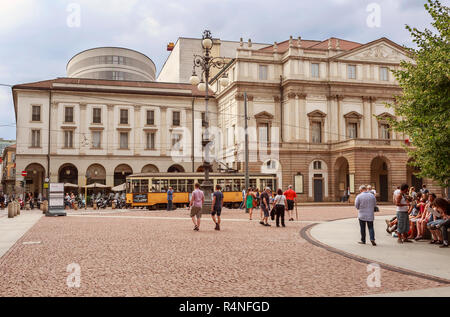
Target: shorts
[196,211]
[265,210]
[433,224]
[216,210]
[290,204]
[402,222]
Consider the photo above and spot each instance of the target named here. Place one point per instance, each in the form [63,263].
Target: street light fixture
[204,63]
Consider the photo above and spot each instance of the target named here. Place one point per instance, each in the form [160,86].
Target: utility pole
[247,180]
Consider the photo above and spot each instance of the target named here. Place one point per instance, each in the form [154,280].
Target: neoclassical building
[316,117]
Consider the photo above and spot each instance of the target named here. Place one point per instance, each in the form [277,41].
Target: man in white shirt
[365,203]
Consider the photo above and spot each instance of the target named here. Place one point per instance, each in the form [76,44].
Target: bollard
[27,206]
[18,209]
[75,206]
[45,208]
[113,205]
[15,208]
[95,206]
[10,210]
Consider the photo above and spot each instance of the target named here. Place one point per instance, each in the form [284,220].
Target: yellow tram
[149,189]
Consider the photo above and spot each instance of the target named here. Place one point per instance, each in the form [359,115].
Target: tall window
[316,131]
[263,135]
[68,114]
[351,71]
[352,130]
[36,113]
[68,139]
[123,116]
[385,132]
[384,73]
[262,72]
[124,140]
[151,141]
[315,70]
[97,115]
[96,139]
[233,131]
[35,138]
[150,117]
[176,118]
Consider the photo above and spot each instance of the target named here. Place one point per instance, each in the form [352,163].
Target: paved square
[142,253]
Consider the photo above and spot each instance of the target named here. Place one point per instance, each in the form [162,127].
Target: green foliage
[424,106]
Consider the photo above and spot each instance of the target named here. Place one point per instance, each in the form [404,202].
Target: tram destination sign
[140,198]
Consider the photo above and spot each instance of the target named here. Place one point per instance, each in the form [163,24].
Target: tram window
[173,184]
[243,185]
[228,185]
[144,185]
[253,182]
[182,185]
[156,188]
[128,186]
[190,185]
[136,185]
[221,182]
[164,185]
[236,185]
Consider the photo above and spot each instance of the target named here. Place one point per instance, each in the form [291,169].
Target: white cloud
[14,14]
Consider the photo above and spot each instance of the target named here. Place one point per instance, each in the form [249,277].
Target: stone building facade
[70,128]
[317,113]
[317,118]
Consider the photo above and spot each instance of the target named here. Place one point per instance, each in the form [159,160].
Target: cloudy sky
[38,37]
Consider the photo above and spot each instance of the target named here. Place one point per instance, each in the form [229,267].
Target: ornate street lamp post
[204,63]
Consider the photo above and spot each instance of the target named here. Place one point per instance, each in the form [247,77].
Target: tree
[424,106]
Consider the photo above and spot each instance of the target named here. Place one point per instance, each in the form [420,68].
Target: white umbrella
[96,185]
[119,188]
[71,185]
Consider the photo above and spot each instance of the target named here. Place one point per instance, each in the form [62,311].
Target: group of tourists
[273,206]
[417,212]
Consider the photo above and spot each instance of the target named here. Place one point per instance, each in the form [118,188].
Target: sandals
[432,242]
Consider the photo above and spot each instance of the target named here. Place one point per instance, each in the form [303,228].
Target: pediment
[380,51]
[385,115]
[353,115]
[264,115]
[317,113]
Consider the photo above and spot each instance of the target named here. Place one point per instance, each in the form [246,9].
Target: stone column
[110,129]
[366,129]
[302,117]
[163,131]
[373,120]
[54,129]
[84,132]
[138,130]
[340,119]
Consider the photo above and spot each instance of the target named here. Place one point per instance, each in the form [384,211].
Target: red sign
[24,173]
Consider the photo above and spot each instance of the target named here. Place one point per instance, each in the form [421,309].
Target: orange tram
[148,190]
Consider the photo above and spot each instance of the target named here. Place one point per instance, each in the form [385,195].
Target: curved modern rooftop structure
[111,63]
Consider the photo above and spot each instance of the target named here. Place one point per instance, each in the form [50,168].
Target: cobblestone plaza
[142,253]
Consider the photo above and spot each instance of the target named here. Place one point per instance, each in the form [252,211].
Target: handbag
[376,209]
[272,214]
